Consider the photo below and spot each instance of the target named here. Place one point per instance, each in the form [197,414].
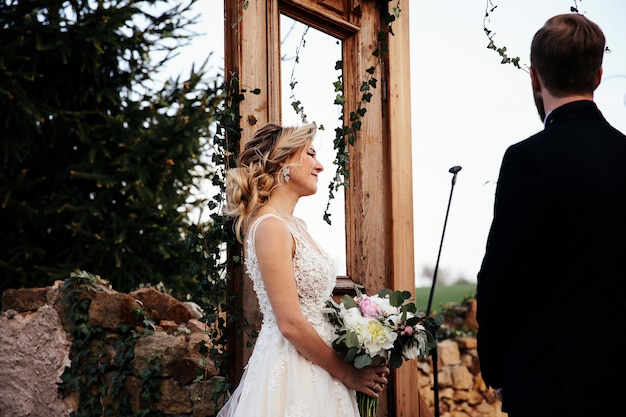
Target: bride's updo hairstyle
[260,168]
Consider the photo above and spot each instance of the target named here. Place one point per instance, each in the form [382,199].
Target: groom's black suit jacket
[552,286]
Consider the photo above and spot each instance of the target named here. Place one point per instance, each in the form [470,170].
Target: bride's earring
[286,173]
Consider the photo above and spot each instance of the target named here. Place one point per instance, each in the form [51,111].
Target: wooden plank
[338,18]
[367,205]
[253,58]
[407,398]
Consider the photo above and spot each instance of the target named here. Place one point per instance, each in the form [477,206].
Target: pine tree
[99,161]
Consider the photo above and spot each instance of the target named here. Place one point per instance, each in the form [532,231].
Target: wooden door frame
[378,201]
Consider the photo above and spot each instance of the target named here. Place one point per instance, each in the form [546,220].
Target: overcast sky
[467,108]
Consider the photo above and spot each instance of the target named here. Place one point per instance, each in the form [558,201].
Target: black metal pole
[454,170]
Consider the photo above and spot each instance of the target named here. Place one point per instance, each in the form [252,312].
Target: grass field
[443,294]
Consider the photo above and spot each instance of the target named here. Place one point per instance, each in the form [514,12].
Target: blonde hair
[259,169]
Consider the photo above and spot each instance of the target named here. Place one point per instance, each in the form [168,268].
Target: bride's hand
[372,380]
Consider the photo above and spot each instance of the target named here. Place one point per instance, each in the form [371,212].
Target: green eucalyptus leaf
[350,354]
[348,302]
[352,339]
[362,361]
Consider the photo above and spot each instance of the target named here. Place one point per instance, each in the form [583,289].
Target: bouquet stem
[367,405]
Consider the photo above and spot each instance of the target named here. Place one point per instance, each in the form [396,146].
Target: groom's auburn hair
[567,53]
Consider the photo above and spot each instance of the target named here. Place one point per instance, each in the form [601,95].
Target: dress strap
[258,221]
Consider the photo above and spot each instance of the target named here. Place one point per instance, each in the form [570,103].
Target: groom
[551,292]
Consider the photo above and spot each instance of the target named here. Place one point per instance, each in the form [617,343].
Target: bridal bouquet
[382,327]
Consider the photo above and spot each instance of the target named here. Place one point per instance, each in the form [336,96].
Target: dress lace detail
[278,381]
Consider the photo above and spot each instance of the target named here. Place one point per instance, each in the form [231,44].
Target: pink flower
[407,330]
[368,307]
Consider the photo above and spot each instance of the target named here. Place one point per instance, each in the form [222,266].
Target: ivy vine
[215,249]
[94,374]
[502,50]
[347,133]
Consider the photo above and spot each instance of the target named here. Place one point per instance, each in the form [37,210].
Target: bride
[293,370]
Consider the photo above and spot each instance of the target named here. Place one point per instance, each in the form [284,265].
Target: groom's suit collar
[575,110]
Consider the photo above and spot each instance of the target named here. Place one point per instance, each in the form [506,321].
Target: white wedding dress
[278,381]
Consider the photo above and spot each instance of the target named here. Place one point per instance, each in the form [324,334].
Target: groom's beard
[540,107]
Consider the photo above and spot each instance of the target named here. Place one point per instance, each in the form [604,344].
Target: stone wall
[462,391]
[35,350]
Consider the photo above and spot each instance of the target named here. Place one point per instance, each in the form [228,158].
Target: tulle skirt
[280,382]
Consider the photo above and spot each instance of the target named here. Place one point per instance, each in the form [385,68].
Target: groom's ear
[599,77]
[535,81]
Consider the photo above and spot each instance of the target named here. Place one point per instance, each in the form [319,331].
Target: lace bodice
[315,273]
